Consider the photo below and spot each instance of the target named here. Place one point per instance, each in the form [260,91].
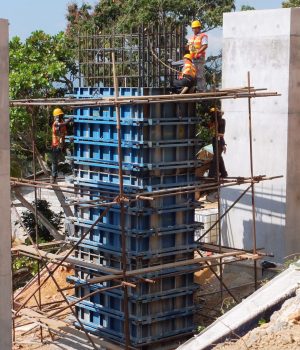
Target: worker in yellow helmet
[218,142]
[187,77]
[197,45]
[59,132]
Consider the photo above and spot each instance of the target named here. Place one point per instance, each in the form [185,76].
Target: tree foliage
[247,8]
[129,14]
[291,3]
[42,66]
[28,219]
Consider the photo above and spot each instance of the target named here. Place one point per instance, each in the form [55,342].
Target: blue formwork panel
[163,204]
[142,230]
[158,152]
[141,311]
[92,117]
[192,164]
[145,220]
[92,176]
[178,284]
[138,133]
[103,92]
[113,261]
[112,327]
[133,111]
[135,159]
[149,247]
[159,146]
[103,230]
[102,151]
[126,111]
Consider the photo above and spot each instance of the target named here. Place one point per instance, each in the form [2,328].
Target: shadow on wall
[269,237]
[270,220]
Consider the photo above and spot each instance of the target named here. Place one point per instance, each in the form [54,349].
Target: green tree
[247,8]
[127,14]
[28,220]
[291,3]
[42,66]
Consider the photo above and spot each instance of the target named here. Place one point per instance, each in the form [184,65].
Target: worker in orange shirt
[59,132]
[187,77]
[197,45]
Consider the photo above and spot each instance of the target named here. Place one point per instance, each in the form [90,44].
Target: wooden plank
[63,329]
[43,319]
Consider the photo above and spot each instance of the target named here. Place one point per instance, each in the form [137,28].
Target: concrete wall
[5,230]
[266,43]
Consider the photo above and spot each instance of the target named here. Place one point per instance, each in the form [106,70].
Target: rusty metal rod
[64,258]
[122,206]
[252,185]
[220,278]
[181,263]
[144,101]
[62,99]
[100,290]
[224,214]
[51,274]
[191,189]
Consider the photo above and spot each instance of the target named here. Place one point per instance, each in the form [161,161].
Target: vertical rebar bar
[167,39]
[79,58]
[217,176]
[136,61]
[35,212]
[252,184]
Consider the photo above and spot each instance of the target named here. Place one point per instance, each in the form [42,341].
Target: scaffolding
[108,72]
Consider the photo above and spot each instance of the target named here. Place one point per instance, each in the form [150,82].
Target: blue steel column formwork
[159,151]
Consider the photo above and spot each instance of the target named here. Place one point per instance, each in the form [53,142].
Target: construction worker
[59,132]
[197,45]
[218,143]
[187,77]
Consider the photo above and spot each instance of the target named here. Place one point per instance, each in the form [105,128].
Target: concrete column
[266,43]
[5,229]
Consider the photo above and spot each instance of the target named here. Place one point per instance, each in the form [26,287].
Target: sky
[26,16]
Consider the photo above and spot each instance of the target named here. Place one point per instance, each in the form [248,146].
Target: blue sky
[26,16]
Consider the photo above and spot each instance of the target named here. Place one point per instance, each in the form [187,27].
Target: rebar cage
[141,56]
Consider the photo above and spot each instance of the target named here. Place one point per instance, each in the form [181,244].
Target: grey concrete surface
[266,43]
[5,229]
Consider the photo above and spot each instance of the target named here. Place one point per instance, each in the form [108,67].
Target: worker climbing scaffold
[218,143]
[59,132]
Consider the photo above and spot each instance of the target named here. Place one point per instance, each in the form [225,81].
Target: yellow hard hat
[196,24]
[188,56]
[214,109]
[57,112]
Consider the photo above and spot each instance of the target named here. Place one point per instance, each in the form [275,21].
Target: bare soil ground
[27,333]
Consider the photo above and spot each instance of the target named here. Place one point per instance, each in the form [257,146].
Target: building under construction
[131,230]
